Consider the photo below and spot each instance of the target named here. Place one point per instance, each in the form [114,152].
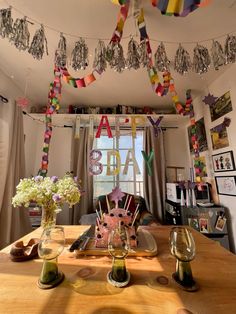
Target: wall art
[223,161]
[226,185]
[219,137]
[201,136]
[222,106]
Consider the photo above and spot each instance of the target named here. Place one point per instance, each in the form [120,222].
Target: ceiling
[97,18]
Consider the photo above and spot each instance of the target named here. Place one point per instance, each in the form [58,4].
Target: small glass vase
[48,219]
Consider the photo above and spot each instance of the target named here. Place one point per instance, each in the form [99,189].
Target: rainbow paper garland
[54,96]
[178,7]
[116,37]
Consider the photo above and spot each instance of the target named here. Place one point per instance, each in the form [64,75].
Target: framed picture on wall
[219,137]
[226,185]
[222,106]
[201,136]
[223,162]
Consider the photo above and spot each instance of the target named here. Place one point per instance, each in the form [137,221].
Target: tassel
[37,46]
[218,56]
[20,34]
[230,49]
[182,63]
[60,54]
[100,62]
[132,60]
[79,55]
[5,22]
[201,59]
[161,61]
[115,56]
[144,58]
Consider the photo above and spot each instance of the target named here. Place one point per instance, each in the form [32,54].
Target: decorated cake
[115,218]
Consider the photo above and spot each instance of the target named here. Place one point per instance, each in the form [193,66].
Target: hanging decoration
[116,170]
[20,34]
[230,49]
[218,56]
[37,46]
[201,59]
[79,55]
[6,22]
[132,61]
[54,96]
[161,61]
[155,124]
[95,167]
[209,99]
[60,54]
[179,7]
[148,161]
[23,102]
[182,62]
[143,54]
[100,62]
[115,56]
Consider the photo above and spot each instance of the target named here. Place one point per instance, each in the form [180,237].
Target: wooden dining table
[151,289]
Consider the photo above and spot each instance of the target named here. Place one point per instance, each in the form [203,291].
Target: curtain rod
[3,99]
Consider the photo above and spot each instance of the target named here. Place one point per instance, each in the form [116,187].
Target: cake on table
[115,218]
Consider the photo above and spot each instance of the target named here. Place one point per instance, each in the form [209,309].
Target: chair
[144,217]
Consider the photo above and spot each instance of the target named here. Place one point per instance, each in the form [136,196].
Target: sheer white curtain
[154,186]
[14,222]
[80,155]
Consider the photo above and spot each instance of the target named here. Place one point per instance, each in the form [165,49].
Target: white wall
[59,150]
[8,88]
[226,82]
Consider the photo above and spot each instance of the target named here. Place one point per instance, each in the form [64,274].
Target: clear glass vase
[48,219]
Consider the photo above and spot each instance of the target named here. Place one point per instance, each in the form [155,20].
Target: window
[131,182]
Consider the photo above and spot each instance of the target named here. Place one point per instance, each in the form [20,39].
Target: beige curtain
[14,222]
[80,154]
[154,186]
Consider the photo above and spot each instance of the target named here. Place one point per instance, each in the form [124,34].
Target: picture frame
[201,136]
[203,225]
[223,162]
[222,106]
[219,137]
[226,185]
[220,223]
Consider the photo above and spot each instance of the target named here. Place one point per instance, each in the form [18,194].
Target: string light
[43,122]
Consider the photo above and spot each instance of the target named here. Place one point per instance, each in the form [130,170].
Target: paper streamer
[115,171]
[131,158]
[54,96]
[95,74]
[104,123]
[95,167]
[155,124]
[178,7]
[148,161]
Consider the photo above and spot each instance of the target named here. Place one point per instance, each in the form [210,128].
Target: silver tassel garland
[37,46]
[100,62]
[144,58]
[182,63]
[20,34]
[115,56]
[132,61]
[5,22]
[201,59]
[79,55]
[60,54]
[161,61]
[230,49]
[218,56]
